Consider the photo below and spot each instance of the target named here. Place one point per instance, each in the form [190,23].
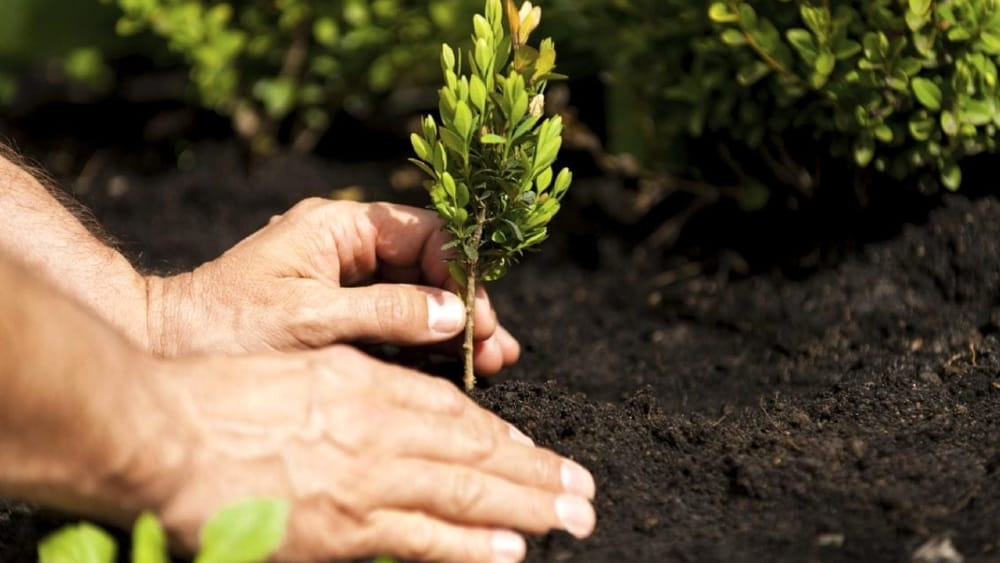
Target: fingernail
[508,547]
[577,480]
[576,515]
[522,438]
[445,313]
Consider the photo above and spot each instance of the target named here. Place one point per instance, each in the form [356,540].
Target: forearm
[78,430]
[40,232]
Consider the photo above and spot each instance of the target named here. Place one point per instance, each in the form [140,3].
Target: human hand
[325,272]
[372,458]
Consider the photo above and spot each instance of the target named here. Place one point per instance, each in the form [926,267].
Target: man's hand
[324,272]
[373,458]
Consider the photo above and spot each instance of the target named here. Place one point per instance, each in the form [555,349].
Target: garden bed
[850,413]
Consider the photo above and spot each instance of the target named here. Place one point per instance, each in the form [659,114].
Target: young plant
[490,158]
[244,532]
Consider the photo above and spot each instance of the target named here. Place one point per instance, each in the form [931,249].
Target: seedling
[245,532]
[490,158]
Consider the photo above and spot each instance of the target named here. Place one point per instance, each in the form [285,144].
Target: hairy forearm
[76,424]
[42,233]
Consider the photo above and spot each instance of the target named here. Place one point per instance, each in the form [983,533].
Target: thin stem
[471,273]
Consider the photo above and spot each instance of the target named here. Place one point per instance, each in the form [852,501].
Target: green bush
[904,87]
[64,34]
[265,61]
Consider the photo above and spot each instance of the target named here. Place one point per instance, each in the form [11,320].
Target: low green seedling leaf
[149,541]
[245,532]
[78,543]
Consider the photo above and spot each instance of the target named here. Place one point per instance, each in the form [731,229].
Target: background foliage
[262,61]
[760,96]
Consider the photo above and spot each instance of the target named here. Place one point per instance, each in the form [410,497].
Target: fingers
[415,536]
[469,496]
[496,352]
[402,314]
[400,236]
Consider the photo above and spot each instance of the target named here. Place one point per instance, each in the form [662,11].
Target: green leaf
[817,19]
[544,179]
[920,7]
[463,120]
[440,156]
[457,273]
[989,41]
[921,127]
[752,72]
[477,93]
[719,12]
[803,42]
[927,93]
[563,180]
[492,139]
[461,194]
[748,16]
[846,49]
[864,150]
[949,124]
[278,95]
[482,28]
[149,542]
[246,532]
[326,31]
[825,63]
[423,166]
[951,176]
[977,112]
[883,133]
[520,106]
[420,147]
[77,543]
[733,37]
[448,182]
[447,58]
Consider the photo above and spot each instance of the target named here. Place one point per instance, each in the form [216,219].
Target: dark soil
[851,413]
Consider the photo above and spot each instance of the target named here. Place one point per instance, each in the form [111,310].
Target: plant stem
[471,273]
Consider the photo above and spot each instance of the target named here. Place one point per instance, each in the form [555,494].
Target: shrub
[490,159]
[903,87]
[262,61]
[64,35]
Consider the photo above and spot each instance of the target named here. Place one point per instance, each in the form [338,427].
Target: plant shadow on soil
[847,412]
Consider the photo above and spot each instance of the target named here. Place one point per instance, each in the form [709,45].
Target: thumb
[397,313]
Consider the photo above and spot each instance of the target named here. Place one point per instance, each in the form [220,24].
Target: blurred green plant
[69,36]
[490,159]
[267,61]
[245,532]
[907,88]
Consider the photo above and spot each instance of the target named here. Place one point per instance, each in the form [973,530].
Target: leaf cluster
[490,159]
[907,88]
[263,61]
[245,532]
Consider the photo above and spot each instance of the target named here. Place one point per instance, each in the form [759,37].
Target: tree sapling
[490,158]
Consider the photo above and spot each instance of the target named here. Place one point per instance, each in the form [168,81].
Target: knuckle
[449,399]
[421,541]
[480,445]
[391,312]
[467,493]
[546,471]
